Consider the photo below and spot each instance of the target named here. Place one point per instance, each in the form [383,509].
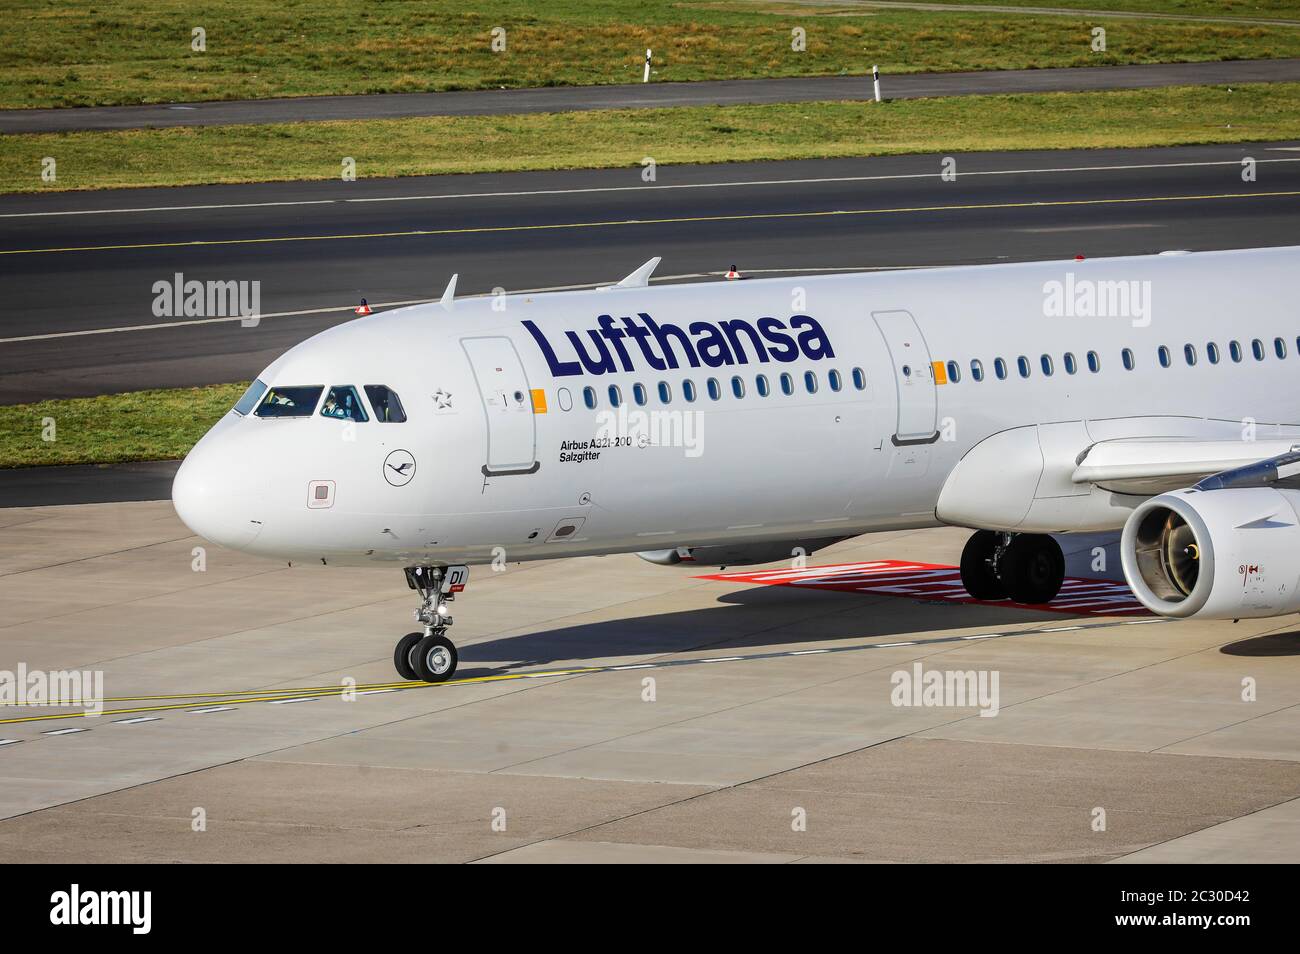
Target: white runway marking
[137,720]
[212,709]
[64,731]
[728,184]
[4,742]
[289,702]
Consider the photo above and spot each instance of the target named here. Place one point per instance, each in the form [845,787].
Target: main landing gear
[429,655]
[1023,567]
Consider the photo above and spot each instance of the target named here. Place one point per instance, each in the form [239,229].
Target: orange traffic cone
[733,275]
[363,308]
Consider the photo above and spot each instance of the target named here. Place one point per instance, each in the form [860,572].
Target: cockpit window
[250,398]
[344,403]
[385,403]
[290,401]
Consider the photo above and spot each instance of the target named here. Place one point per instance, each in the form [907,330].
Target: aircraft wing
[1148,467]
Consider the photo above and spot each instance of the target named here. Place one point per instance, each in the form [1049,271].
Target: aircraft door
[507,404]
[913,377]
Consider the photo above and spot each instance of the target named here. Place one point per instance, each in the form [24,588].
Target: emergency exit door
[507,404]
[913,377]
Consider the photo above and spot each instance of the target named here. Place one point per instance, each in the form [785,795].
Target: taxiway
[766,704]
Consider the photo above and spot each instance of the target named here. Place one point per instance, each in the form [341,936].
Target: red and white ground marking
[934,581]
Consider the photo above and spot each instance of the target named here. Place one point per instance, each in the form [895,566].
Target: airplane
[743,422]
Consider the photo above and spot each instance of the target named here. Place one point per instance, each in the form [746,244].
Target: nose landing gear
[1025,567]
[429,655]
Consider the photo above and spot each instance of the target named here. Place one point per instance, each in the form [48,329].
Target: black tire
[977,571]
[402,655]
[1033,568]
[434,658]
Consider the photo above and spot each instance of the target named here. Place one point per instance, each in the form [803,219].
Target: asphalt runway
[611,710]
[645,95]
[87,483]
[77,270]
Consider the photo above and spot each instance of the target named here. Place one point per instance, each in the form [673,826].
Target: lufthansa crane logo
[399,468]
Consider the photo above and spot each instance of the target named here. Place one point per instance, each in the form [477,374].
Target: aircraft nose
[211,495]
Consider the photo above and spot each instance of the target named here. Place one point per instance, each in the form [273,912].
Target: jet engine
[1228,553]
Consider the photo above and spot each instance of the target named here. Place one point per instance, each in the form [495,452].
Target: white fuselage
[507,461]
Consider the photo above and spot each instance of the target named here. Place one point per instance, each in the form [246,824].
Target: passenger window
[688,390]
[1129,363]
[386,404]
[1189,355]
[1234,349]
[1000,369]
[836,382]
[1163,353]
[764,389]
[589,398]
[343,403]
[1257,348]
[615,396]
[290,402]
[1212,352]
[810,381]
[738,386]
[1046,362]
[1094,362]
[954,372]
[1279,347]
[715,389]
[250,398]
[859,379]
[976,370]
[639,394]
[1023,364]
[1070,365]
[665,393]
[787,384]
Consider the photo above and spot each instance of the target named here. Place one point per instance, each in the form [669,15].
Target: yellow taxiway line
[215,699]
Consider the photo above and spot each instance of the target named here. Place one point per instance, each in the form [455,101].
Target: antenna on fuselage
[449,296]
[641,277]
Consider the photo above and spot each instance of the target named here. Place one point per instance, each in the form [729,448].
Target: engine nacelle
[738,554]
[1215,554]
